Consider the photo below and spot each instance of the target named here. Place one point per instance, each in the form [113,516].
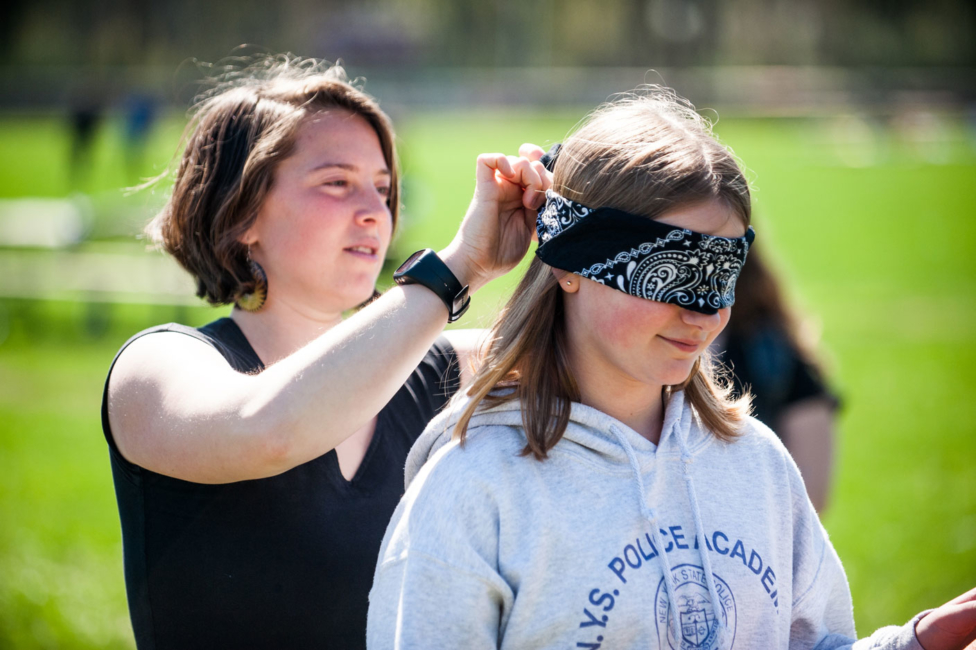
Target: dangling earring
[254,300]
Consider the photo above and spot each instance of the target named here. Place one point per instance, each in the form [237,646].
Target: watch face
[406,266]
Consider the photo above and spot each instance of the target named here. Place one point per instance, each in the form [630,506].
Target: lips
[685,345]
[365,249]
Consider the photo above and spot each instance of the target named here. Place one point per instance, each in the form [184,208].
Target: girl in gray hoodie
[597,486]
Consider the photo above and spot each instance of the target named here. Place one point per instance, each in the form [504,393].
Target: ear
[250,236]
[568,282]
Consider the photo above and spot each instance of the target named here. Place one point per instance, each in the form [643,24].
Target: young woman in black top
[257,460]
[768,353]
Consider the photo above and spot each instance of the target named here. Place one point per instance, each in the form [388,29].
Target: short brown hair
[238,135]
[644,153]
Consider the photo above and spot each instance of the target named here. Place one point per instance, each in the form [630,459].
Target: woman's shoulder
[210,334]
[161,359]
[156,364]
[165,328]
[161,342]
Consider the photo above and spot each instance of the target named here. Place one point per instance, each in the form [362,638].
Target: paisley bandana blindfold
[640,256]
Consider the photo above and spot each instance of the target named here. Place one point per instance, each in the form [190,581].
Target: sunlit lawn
[876,231]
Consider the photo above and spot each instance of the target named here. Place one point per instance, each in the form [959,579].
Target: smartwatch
[425,268]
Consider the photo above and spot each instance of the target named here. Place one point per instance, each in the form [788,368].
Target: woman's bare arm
[807,429]
[176,407]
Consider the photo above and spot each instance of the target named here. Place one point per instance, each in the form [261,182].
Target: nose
[705,322]
[372,208]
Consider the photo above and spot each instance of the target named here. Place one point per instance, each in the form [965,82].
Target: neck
[638,405]
[281,328]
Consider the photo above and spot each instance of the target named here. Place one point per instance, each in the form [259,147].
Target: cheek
[623,325]
[625,321]
[291,244]
[300,227]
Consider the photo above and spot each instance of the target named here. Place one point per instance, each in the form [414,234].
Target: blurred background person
[140,115]
[768,350]
[87,112]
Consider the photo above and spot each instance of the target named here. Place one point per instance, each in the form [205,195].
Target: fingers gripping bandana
[640,256]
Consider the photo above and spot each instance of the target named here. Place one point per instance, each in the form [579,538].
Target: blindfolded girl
[597,486]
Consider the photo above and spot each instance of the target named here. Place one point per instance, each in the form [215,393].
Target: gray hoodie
[612,542]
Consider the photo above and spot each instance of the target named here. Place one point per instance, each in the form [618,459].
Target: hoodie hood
[595,433]
[591,432]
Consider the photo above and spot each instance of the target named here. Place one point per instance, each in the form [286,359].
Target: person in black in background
[766,350]
[84,119]
[140,115]
[258,460]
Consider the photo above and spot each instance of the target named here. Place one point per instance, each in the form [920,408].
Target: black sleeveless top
[280,562]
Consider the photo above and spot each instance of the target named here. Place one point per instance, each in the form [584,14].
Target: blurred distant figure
[86,115]
[765,349]
[140,114]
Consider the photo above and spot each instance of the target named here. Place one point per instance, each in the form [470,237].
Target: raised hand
[500,221]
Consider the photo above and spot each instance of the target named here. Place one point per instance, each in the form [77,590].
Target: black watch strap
[425,268]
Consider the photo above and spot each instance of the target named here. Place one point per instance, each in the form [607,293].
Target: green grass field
[871,221]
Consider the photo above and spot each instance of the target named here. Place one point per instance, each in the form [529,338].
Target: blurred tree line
[502,33]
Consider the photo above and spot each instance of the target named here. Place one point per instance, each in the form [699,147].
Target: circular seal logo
[694,612]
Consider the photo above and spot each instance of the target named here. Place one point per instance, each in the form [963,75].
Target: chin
[677,376]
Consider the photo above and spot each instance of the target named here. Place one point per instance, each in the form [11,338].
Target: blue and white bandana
[640,256]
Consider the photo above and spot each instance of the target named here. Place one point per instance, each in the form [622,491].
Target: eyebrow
[346,166]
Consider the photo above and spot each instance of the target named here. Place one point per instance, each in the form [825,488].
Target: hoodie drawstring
[649,514]
[703,545]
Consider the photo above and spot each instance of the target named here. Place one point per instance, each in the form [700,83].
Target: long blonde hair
[645,153]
